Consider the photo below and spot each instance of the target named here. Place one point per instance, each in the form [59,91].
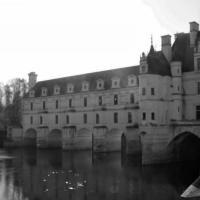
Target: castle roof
[157,63]
[92,78]
[181,51]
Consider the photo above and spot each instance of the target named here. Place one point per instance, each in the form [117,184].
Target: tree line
[11,95]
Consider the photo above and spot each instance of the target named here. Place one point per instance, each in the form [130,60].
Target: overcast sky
[57,38]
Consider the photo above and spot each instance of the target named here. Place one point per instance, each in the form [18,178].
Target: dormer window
[85,86]
[56,90]
[143,68]
[132,80]
[100,84]
[44,91]
[115,82]
[32,93]
[70,88]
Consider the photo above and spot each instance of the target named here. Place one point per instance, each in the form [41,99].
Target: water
[57,175]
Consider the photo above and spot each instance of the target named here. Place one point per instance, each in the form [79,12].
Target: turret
[143,64]
[177,91]
[166,47]
[32,79]
[194,28]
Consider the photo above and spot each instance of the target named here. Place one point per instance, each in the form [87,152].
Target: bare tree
[14,92]
[8,94]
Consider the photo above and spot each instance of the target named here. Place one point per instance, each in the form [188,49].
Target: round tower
[177,91]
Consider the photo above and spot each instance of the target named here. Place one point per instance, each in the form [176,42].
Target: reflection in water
[57,175]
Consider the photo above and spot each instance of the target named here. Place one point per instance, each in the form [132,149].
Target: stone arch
[55,138]
[30,137]
[185,146]
[83,139]
[84,132]
[114,132]
[113,139]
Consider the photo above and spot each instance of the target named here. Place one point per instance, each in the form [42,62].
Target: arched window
[115,82]
[67,119]
[152,116]
[32,93]
[115,117]
[132,98]
[41,120]
[100,100]
[56,90]
[56,104]
[129,117]
[143,116]
[70,88]
[85,101]
[44,105]
[85,118]
[97,119]
[100,84]
[70,102]
[56,119]
[31,105]
[44,91]
[85,86]
[115,99]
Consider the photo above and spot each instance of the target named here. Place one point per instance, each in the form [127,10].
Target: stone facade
[147,103]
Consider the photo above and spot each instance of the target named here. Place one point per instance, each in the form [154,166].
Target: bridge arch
[55,138]
[84,132]
[30,137]
[114,132]
[185,146]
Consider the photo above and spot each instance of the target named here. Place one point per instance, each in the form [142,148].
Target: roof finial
[151,48]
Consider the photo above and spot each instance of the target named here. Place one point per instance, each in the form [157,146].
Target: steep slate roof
[92,78]
[157,63]
[181,51]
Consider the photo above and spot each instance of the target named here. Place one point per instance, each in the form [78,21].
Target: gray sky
[57,38]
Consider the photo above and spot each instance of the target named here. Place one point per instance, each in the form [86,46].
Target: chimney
[166,47]
[194,28]
[32,79]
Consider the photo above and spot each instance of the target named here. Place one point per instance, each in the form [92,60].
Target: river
[28,174]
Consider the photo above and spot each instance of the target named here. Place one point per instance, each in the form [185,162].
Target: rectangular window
[31,105]
[31,120]
[56,119]
[115,117]
[115,99]
[198,112]
[152,116]
[143,116]
[143,91]
[67,119]
[100,100]
[41,120]
[56,104]
[97,118]
[198,64]
[129,117]
[198,87]
[85,101]
[85,118]
[152,91]
[44,105]
[70,103]
[132,98]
